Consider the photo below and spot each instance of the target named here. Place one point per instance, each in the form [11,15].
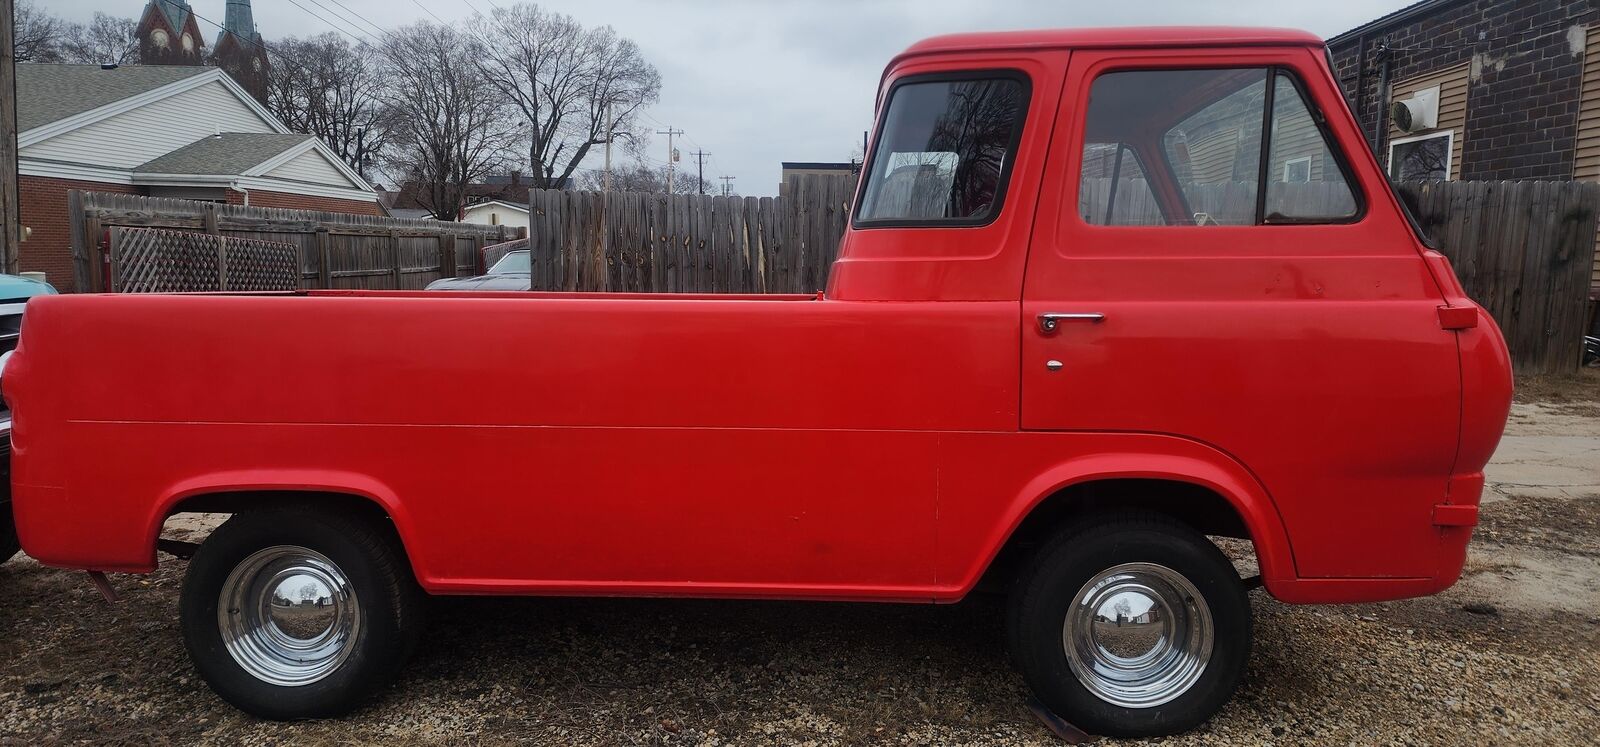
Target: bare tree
[573,86]
[640,176]
[325,86]
[37,34]
[450,125]
[106,39]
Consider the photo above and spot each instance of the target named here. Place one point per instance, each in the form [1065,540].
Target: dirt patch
[1579,390]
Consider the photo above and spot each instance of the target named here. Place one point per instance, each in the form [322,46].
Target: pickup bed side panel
[763,447]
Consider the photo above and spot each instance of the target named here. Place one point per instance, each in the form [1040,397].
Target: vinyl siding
[155,129]
[1586,161]
[1452,83]
[310,166]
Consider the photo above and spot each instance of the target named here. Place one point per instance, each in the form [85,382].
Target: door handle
[1049,320]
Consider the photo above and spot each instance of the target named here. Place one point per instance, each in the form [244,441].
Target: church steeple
[239,21]
[239,50]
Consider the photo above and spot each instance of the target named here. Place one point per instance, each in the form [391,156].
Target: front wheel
[1133,627]
[299,614]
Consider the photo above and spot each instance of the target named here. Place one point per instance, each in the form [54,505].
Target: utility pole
[700,158]
[672,153]
[605,179]
[10,220]
[727,183]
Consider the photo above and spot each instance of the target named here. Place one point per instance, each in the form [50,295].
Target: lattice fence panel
[153,260]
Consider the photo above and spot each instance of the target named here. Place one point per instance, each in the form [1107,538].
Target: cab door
[1215,256]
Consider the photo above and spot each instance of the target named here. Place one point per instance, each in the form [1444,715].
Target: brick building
[1491,89]
[169,131]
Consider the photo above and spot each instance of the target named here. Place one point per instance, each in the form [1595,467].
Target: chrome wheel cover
[1138,635]
[288,615]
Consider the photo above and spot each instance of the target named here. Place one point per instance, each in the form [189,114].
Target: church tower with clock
[169,34]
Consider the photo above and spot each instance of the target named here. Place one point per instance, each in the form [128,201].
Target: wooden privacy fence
[157,260]
[333,250]
[643,242]
[1524,250]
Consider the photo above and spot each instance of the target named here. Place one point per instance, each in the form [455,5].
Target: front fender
[1123,456]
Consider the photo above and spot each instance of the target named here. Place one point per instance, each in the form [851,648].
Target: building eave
[1381,23]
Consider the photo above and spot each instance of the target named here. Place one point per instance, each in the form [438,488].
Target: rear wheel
[299,614]
[9,546]
[1133,627]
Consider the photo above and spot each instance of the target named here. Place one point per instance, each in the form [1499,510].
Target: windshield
[513,263]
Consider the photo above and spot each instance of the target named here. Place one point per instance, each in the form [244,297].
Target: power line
[727,184]
[669,132]
[424,8]
[345,20]
[329,23]
[363,18]
[700,159]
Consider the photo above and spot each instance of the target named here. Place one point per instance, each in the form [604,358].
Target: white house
[496,213]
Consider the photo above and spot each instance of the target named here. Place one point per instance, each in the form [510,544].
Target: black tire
[367,554]
[9,545]
[1044,594]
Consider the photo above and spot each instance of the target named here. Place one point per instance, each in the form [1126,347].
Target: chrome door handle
[1048,321]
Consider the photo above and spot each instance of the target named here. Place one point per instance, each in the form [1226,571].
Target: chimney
[516,177]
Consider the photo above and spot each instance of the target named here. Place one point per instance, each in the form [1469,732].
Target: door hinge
[1458,317]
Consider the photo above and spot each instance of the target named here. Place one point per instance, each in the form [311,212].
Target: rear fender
[1161,458]
[286,481]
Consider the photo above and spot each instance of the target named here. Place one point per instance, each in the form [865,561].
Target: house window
[1297,170]
[1421,158]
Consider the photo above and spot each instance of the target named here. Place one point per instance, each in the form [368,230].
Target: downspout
[235,187]
[1380,135]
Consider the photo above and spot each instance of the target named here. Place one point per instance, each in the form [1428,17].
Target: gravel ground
[1511,655]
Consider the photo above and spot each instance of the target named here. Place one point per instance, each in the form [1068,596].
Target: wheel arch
[1203,488]
[240,490]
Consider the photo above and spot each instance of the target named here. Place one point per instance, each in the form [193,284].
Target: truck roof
[1133,36]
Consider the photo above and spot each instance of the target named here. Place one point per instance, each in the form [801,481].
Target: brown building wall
[265,199]
[44,210]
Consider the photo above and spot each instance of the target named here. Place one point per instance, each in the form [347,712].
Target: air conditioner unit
[1417,113]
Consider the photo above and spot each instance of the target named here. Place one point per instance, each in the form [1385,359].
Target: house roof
[502,203]
[820,165]
[1400,16]
[48,93]
[227,153]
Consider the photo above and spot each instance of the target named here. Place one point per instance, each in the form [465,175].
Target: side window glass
[1186,147]
[943,151]
[1114,190]
[1304,182]
[1215,152]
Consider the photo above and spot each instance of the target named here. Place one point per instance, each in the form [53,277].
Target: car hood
[504,281]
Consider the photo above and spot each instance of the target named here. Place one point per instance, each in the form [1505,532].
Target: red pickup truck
[1104,294]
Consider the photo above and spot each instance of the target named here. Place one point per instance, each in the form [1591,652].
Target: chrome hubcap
[1138,635]
[288,615]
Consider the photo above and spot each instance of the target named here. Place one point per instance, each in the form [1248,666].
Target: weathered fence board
[1525,251]
[653,243]
[334,250]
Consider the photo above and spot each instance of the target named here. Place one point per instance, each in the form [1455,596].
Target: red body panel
[880,443]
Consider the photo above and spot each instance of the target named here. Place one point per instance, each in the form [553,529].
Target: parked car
[511,272]
[14,294]
[1086,314]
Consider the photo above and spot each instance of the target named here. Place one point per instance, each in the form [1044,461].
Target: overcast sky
[757,83]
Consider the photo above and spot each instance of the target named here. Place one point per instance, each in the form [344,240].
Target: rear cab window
[945,150]
[1222,146]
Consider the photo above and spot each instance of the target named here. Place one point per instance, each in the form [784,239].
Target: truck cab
[1105,294]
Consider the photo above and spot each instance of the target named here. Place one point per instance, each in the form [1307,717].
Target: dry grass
[1579,389]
